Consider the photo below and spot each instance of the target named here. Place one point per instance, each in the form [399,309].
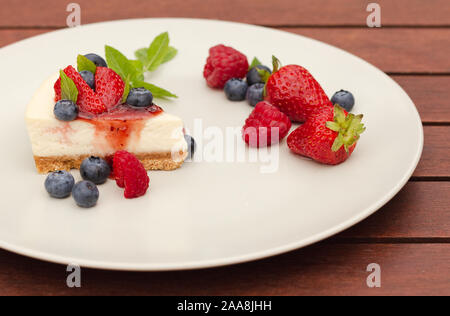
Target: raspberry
[223,64]
[265,120]
[130,174]
[88,101]
[109,86]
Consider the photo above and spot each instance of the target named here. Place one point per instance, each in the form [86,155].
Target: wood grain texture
[435,160]
[10,36]
[268,12]
[392,50]
[395,237]
[323,269]
[431,95]
[411,214]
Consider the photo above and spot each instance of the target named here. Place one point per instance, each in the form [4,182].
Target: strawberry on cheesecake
[72,117]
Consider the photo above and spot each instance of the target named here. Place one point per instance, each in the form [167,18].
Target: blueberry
[97,60]
[140,97]
[255,94]
[85,194]
[65,110]
[95,169]
[59,184]
[89,78]
[191,145]
[345,99]
[235,89]
[253,75]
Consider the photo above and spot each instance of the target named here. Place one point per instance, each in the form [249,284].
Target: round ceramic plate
[219,211]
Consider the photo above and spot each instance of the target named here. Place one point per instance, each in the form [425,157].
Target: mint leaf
[171,53]
[84,64]
[126,91]
[157,92]
[69,90]
[254,63]
[141,54]
[119,63]
[157,52]
[139,70]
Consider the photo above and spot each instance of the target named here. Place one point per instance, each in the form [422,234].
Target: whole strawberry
[329,136]
[223,64]
[88,101]
[266,125]
[294,91]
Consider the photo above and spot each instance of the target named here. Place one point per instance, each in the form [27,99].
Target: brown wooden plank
[324,269]
[435,160]
[392,50]
[268,12]
[10,36]
[430,94]
[411,214]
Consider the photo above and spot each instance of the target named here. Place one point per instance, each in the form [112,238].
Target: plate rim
[257,255]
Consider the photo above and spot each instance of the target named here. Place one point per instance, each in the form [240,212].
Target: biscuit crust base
[153,161]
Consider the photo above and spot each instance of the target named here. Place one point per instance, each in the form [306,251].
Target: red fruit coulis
[119,123]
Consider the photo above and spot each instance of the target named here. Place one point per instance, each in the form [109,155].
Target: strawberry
[266,125]
[88,101]
[294,91]
[109,86]
[130,174]
[329,136]
[223,64]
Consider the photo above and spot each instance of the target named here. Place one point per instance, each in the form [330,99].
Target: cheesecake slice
[156,138]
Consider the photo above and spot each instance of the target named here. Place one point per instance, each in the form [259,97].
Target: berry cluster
[125,168]
[94,91]
[329,133]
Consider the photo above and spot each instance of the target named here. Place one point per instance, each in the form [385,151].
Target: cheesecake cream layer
[159,136]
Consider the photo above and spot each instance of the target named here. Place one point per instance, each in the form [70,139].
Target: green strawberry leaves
[148,59]
[349,128]
[69,90]
[276,64]
[254,63]
[84,64]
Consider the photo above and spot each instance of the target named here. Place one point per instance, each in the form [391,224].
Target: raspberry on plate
[223,64]
[88,101]
[266,125]
[130,174]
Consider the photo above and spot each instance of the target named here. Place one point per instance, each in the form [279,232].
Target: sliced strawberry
[109,86]
[88,101]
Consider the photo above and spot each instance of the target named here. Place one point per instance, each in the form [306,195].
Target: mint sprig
[84,64]
[157,92]
[69,90]
[119,63]
[148,59]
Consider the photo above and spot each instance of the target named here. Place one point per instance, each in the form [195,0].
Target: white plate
[205,214]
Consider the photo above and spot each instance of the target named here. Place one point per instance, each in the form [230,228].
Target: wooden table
[409,237]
